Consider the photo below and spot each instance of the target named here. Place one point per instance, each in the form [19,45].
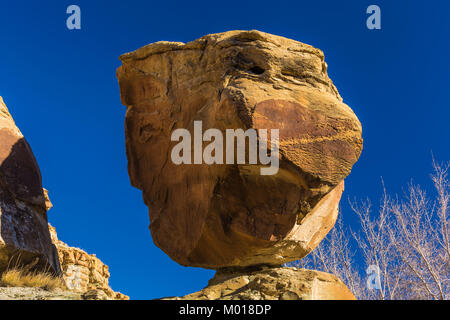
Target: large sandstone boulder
[272,284]
[82,272]
[220,215]
[24,235]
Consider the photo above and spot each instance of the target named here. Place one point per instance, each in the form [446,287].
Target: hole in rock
[256,70]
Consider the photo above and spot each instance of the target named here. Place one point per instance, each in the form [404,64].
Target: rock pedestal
[272,284]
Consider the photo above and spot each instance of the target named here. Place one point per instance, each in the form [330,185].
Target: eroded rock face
[219,215]
[24,235]
[273,284]
[24,293]
[84,273]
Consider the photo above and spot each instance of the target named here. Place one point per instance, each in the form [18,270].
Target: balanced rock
[227,215]
[24,234]
[272,284]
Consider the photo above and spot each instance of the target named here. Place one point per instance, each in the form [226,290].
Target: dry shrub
[21,278]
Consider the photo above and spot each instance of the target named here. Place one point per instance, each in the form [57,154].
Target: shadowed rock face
[24,235]
[217,216]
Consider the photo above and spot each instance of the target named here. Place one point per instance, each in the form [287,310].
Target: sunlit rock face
[229,215]
[82,272]
[24,234]
[272,284]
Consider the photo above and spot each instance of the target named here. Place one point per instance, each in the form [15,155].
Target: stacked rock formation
[229,215]
[83,272]
[24,234]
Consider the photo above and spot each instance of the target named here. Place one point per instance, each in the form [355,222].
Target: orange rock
[82,272]
[219,215]
[272,284]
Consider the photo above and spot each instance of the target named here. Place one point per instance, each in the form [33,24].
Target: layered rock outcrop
[221,215]
[82,272]
[272,284]
[24,235]
[24,293]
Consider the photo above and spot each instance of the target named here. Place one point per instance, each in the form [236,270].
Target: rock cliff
[24,234]
[26,239]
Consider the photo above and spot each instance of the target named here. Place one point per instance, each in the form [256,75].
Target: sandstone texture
[24,235]
[219,216]
[20,293]
[272,284]
[84,273]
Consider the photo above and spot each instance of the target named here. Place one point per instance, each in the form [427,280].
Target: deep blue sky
[61,88]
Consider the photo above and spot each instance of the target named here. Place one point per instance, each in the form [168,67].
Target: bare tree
[420,237]
[377,248]
[405,243]
[335,255]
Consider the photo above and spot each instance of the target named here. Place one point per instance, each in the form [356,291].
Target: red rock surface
[219,215]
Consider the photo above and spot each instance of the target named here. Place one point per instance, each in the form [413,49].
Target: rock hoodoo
[221,215]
